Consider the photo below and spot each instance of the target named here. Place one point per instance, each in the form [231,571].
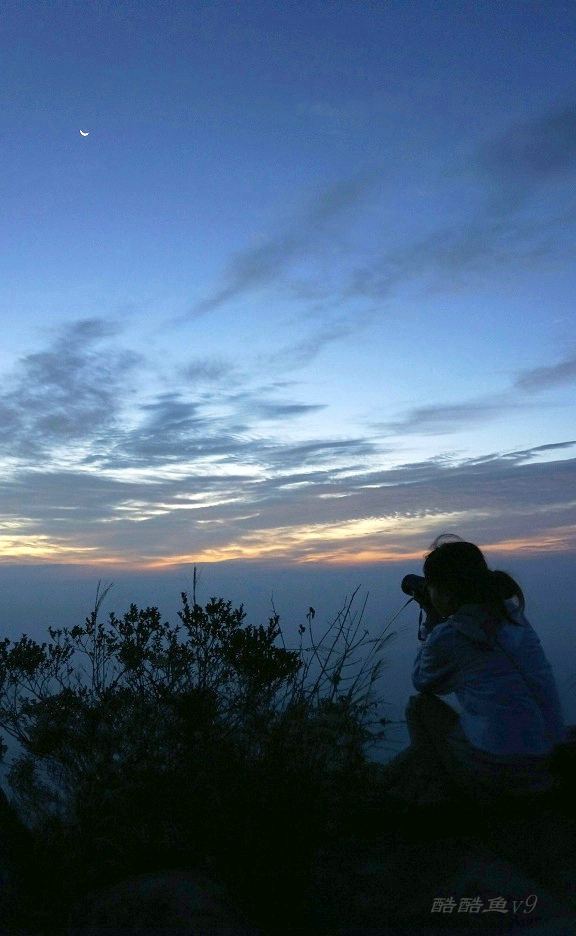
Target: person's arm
[435,668]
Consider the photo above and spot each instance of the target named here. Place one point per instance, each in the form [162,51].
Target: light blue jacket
[504,684]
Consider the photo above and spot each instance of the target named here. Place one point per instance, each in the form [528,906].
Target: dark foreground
[392,865]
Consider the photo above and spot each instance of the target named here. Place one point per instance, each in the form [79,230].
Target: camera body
[415,586]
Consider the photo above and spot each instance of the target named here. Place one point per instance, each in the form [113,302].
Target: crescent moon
[84,134]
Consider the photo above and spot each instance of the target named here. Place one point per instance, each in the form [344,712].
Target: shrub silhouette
[209,742]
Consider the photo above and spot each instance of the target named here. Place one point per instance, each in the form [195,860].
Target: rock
[406,846]
[482,864]
[179,903]
[528,903]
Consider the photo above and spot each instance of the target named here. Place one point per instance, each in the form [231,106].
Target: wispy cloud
[496,182]
[302,352]
[455,256]
[330,513]
[491,230]
[195,478]
[531,153]
[212,371]
[541,378]
[269,410]
[259,266]
[441,418]
[68,393]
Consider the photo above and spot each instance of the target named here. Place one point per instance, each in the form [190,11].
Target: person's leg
[417,769]
[429,720]
[437,739]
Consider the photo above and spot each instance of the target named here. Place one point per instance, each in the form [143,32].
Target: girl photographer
[479,646]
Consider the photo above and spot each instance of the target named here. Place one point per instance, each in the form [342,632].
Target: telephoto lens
[415,586]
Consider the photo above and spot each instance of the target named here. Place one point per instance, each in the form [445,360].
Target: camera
[415,586]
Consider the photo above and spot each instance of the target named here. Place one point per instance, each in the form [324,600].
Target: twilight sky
[304,292]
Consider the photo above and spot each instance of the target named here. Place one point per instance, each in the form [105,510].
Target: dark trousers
[441,763]
[429,770]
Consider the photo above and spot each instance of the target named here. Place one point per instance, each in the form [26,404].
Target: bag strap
[495,643]
[530,688]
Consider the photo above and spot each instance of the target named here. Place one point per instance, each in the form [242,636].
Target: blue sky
[304,293]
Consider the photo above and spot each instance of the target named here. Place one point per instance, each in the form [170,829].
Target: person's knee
[418,719]
[427,710]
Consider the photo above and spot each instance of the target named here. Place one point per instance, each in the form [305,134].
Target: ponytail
[507,588]
[461,568]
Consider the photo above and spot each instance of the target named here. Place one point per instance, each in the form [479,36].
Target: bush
[207,742]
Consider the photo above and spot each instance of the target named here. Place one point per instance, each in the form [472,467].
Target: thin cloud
[532,152]
[302,352]
[259,266]
[436,419]
[370,512]
[306,513]
[439,418]
[170,429]
[273,411]
[72,404]
[542,378]
[342,451]
[192,474]
[454,256]
[551,447]
[68,393]
[493,233]
[212,371]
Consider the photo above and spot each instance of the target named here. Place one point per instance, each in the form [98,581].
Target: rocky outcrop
[418,865]
[438,874]
[433,874]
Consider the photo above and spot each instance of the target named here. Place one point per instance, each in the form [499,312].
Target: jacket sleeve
[435,668]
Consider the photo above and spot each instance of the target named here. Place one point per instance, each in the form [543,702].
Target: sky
[303,293]
[303,296]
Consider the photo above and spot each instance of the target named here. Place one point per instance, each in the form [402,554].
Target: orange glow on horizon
[283,546]
[544,543]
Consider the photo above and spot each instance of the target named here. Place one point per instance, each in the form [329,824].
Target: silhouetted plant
[145,743]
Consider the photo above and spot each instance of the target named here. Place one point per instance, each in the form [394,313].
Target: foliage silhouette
[206,743]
